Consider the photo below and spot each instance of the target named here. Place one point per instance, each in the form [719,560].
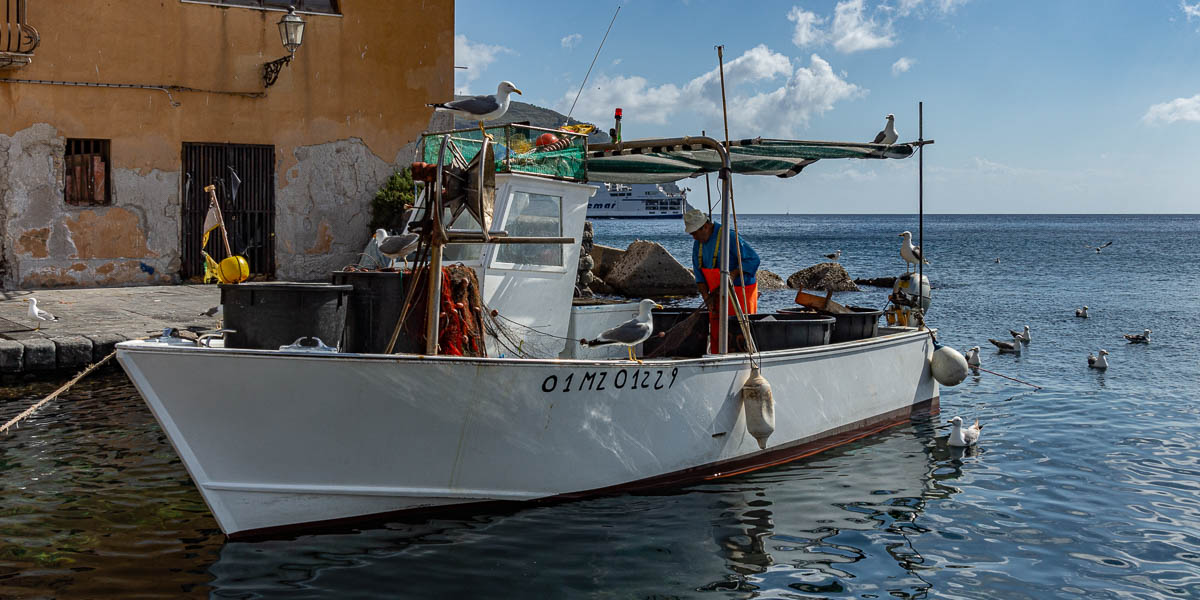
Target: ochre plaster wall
[356,93]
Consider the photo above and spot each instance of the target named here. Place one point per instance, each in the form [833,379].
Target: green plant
[392,200]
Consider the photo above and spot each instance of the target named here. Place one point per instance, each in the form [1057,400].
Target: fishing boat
[637,201]
[309,434]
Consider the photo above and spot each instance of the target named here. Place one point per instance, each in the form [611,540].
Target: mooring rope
[29,411]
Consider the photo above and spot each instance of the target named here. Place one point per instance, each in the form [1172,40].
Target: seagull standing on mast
[888,135]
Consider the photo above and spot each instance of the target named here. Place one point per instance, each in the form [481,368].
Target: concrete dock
[91,321]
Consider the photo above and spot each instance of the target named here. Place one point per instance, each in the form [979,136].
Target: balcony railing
[18,39]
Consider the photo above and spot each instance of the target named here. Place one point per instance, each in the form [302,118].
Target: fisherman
[706,263]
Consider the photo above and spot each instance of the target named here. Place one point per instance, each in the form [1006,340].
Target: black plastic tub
[374,308]
[781,331]
[691,346]
[270,315]
[863,323]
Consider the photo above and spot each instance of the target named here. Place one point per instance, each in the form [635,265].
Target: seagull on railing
[630,333]
[1098,363]
[888,135]
[481,108]
[38,315]
[1138,338]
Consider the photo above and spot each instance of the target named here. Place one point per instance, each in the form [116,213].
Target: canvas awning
[757,156]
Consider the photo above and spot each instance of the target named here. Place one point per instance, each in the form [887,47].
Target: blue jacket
[707,255]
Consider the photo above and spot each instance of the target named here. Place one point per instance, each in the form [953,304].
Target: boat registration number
[599,381]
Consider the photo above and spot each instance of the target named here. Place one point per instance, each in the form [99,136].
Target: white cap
[694,219]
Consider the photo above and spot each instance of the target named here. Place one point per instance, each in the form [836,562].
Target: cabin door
[249,212]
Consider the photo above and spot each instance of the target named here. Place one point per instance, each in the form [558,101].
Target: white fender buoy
[948,366]
[759,405]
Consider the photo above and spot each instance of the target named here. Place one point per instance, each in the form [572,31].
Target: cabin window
[532,215]
[312,6]
[87,173]
[466,253]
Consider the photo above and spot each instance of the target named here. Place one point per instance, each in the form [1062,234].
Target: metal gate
[245,178]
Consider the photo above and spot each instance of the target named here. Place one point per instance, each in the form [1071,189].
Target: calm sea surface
[1089,487]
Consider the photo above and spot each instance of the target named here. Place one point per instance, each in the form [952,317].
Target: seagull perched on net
[834,256]
[1138,338]
[396,246]
[1082,312]
[630,333]
[963,436]
[480,108]
[1021,336]
[888,135]
[1100,362]
[38,315]
[910,253]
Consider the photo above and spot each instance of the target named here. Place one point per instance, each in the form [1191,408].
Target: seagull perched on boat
[888,135]
[1138,338]
[834,257]
[963,436]
[910,253]
[395,246]
[1097,248]
[481,108]
[1098,363]
[38,315]
[1021,336]
[1082,312]
[1012,347]
[973,358]
[630,333]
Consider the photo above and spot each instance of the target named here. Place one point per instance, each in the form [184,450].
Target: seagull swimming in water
[38,315]
[888,135]
[973,358]
[630,333]
[1098,363]
[960,436]
[395,246]
[1138,338]
[1013,347]
[1021,336]
[910,253]
[1082,312]
[481,108]
[834,257]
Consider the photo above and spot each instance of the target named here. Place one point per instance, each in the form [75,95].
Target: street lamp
[291,33]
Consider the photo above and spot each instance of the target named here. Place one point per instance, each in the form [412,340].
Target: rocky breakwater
[644,270]
[825,277]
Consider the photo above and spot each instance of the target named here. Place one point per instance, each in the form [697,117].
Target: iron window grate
[88,171]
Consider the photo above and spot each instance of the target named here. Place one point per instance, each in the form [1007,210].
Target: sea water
[1088,487]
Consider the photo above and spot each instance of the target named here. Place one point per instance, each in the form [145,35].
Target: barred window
[316,6]
[87,173]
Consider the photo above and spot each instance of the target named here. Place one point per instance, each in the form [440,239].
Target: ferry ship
[637,201]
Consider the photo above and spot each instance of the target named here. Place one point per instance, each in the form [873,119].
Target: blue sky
[1070,106]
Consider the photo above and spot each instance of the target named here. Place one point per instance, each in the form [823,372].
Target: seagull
[973,358]
[630,333]
[1021,336]
[216,310]
[963,436]
[1082,312]
[395,246]
[834,257]
[1098,363]
[997,260]
[1097,248]
[37,314]
[481,108]
[910,253]
[1138,338]
[1006,347]
[888,135]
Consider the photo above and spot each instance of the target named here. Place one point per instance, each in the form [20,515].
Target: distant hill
[536,116]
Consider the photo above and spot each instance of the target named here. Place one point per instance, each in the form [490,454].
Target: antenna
[589,71]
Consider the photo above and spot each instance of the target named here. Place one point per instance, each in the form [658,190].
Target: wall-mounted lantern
[291,33]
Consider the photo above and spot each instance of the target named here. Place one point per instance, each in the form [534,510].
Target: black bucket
[782,331]
[375,306]
[861,324]
[270,315]
[664,320]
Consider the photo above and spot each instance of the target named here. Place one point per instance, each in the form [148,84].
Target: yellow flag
[212,220]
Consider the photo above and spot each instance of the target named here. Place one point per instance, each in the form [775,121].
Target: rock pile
[647,270]
[825,277]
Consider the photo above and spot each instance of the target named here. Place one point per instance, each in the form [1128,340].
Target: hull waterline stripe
[359,490]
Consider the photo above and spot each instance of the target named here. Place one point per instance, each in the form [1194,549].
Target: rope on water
[1007,377]
[29,411]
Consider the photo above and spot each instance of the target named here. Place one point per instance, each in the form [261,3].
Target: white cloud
[640,100]
[1191,10]
[902,65]
[1179,109]
[808,30]
[907,7]
[572,40]
[616,61]
[854,32]
[476,57]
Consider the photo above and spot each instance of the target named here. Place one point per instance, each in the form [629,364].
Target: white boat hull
[279,440]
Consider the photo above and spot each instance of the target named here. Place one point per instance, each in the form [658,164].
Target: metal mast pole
[723,311]
[921,210]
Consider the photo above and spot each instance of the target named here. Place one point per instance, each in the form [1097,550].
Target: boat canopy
[612,163]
